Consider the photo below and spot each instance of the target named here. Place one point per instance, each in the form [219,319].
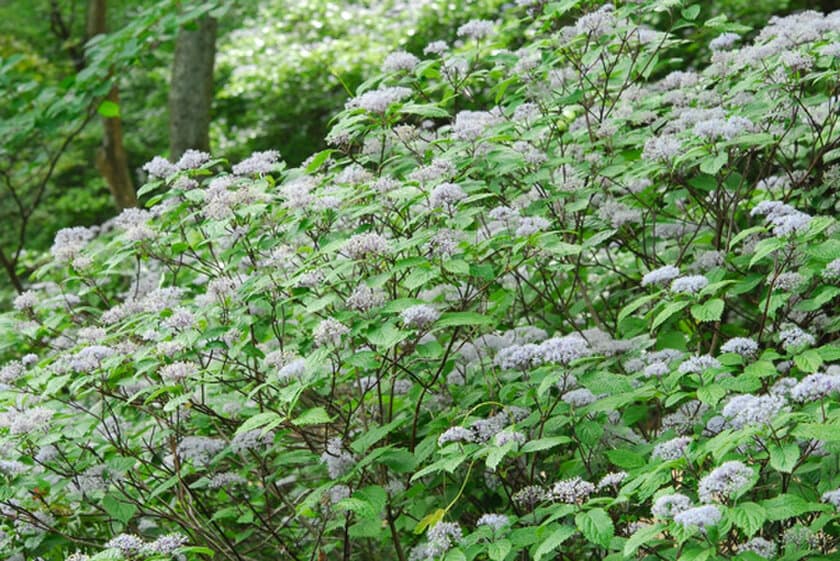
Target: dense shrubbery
[593,318]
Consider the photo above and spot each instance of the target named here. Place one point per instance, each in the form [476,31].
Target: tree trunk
[191,90]
[111,157]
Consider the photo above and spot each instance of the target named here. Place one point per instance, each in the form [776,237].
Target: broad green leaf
[553,541]
[748,516]
[596,526]
[667,312]
[463,318]
[314,416]
[118,509]
[711,310]
[109,109]
[784,458]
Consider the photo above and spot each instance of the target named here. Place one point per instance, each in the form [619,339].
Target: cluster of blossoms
[515,298]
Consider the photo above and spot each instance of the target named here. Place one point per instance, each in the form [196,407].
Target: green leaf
[711,394]
[314,416]
[429,520]
[635,305]
[667,312]
[788,506]
[319,158]
[424,110]
[387,335]
[625,458]
[596,526]
[809,361]
[544,443]
[749,517]
[691,13]
[711,310]
[818,431]
[109,109]
[257,421]
[713,165]
[463,318]
[644,535]
[765,248]
[117,509]
[553,541]
[498,550]
[784,458]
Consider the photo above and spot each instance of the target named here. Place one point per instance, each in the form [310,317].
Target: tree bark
[111,157]
[191,90]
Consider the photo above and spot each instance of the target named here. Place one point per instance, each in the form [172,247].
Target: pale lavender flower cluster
[572,491]
[815,387]
[329,332]
[699,517]
[365,298]
[661,275]
[11,371]
[69,242]
[673,449]
[178,371]
[337,459]
[362,246]
[160,167]
[421,316]
[743,346]
[447,195]
[378,101]
[784,218]
[759,546]
[698,364]
[663,148]
[456,434]
[476,29]
[690,284]
[580,397]
[668,506]
[192,159]
[442,536]
[529,497]
[251,440]
[713,129]
[724,482]
[794,338]
[471,125]
[400,61]
[25,301]
[258,163]
[832,498]
[750,410]
[200,450]
[494,521]
[724,41]
[832,270]
[613,479]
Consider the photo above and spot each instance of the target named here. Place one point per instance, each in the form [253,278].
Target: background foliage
[551,291]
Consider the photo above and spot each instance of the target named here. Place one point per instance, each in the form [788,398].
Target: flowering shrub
[595,320]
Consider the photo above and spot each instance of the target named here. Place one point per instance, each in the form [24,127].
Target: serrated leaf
[635,305]
[710,310]
[667,312]
[787,506]
[596,526]
[765,248]
[642,536]
[784,458]
[749,517]
[810,361]
[553,541]
[314,416]
[118,509]
[498,549]
[544,443]
[387,335]
[451,319]
[257,421]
